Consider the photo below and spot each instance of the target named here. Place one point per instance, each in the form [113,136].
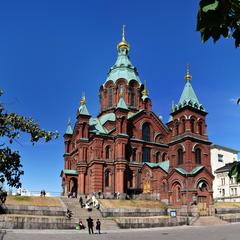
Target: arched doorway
[176,193]
[73,187]
[202,198]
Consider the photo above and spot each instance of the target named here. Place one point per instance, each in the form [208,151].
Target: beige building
[222,160]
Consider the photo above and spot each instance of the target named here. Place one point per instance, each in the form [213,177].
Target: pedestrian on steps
[81,202]
[98,226]
[90,225]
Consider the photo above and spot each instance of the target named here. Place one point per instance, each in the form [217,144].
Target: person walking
[81,202]
[98,226]
[90,225]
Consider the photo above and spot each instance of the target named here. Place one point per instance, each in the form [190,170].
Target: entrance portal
[202,206]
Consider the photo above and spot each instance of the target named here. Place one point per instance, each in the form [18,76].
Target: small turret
[188,97]
[83,119]
[82,110]
[145,98]
[69,130]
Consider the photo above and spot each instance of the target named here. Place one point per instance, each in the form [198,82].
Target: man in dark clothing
[81,202]
[98,226]
[90,225]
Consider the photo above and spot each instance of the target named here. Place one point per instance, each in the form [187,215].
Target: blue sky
[52,51]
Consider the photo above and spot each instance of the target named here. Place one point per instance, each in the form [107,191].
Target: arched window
[83,130]
[157,157]
[107,178]
[202,186]
[183,125]
[165,187]
[107,151]
[177,128]
[192,122]
[198,156]
[164,155]
[145,154]
[122,125]
[134,154]
[180,156]
[146,132]
[200,128]
[110,97]
[132,97]
[178,193]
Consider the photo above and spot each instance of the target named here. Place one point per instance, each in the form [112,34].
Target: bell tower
[189,145]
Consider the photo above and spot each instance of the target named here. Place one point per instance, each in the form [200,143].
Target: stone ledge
[35,222]
[35,210]
[150,222]
[133,212]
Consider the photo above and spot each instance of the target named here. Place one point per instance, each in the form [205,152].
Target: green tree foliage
[11,126]
[235,171]
[218,18]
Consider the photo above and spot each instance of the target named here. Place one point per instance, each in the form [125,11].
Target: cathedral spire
[83,108]
[188,97]
[145,91]
[69,128]
[123,44]
[188,77]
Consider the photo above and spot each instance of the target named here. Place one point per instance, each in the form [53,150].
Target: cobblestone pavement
[217,232]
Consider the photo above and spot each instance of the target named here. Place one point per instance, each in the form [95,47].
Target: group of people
[90,225]
[43,193]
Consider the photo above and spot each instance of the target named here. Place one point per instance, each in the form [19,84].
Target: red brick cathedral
[127,149]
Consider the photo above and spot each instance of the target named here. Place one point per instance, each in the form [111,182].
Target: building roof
[121,103]
[194,171]
[107,117]
[69,128]
[96,126]
[83,108]
[123,67]
[224,148]
[70,172]
[188,97]
[226,168]
[163,165]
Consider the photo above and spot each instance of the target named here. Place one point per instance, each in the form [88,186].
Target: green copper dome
[123,67]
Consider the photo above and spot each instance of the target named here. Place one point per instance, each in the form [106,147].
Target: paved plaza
[217,232]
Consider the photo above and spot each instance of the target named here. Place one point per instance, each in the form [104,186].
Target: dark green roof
[188,98]
[83,110]
[194,171]
[163,165]
[123,68]
[69,129]
[70,172]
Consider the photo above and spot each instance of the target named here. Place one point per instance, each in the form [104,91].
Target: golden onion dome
[123,43]
[83,101]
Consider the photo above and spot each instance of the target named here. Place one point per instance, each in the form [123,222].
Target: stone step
[82,213]
[208,220]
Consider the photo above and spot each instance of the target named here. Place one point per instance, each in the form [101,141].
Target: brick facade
[128,149]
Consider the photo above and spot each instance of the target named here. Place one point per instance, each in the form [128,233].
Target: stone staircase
[208,220]
[81,213]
